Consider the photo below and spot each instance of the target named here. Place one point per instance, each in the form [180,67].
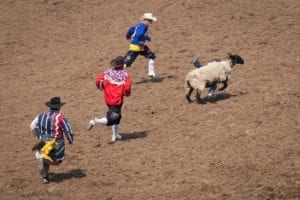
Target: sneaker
[210,94]
[151,73]
[151,77]
[113,139]
[91,124]
[46,179]
[196,58]
[196,61]
[117,137]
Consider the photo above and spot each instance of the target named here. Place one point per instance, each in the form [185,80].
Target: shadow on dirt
[74,173]
[134,135]
[158,79]
[221,97]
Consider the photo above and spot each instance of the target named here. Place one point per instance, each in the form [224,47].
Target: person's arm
[100,81]
[141,33]
[34,127]
[67,130]
[127,90]
[130,32]
[147,37]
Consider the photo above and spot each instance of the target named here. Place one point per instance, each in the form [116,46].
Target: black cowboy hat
[117,62]
[54,103]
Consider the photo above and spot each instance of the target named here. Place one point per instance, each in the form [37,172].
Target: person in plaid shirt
[51,126]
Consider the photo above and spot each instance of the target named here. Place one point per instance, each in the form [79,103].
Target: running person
[138,36]
[51,126]
[116,84]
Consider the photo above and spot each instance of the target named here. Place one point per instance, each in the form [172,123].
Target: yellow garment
[134,47]
[47,148]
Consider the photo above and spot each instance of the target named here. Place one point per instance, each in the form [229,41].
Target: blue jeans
[212,89]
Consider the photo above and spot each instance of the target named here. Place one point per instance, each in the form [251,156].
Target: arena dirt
[243,144]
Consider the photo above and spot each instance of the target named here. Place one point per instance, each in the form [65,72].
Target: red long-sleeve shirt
[116,83]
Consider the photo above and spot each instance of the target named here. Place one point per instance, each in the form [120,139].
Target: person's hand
[101,85]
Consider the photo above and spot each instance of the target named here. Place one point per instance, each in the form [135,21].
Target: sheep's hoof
[188,98]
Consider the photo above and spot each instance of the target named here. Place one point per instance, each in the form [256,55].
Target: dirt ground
[243,144]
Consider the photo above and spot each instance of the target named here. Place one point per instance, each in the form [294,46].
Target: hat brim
[149,18]
[117,66]
[55,106]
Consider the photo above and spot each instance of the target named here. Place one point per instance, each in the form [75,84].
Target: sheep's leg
[189,89]
[198,97]
[225,84]
[188,95]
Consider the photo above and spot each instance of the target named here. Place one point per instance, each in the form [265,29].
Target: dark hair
[117,62]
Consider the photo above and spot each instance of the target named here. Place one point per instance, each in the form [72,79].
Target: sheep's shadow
[74,173]
[222,96]
[134,135]
[157,79]
[218,97]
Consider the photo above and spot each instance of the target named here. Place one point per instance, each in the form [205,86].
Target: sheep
[217,71]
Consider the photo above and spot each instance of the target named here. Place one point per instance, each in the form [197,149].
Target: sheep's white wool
[215,71]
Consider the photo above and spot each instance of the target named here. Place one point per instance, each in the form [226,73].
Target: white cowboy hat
[148,16]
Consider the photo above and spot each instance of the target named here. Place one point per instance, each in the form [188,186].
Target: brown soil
[243,144]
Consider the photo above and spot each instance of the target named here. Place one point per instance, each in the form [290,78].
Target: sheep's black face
[236,59]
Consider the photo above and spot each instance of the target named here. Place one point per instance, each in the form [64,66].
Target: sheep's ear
[229,55]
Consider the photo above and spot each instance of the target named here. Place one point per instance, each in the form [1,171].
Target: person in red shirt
[116,84]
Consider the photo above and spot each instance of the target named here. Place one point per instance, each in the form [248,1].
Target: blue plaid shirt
[52,124]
